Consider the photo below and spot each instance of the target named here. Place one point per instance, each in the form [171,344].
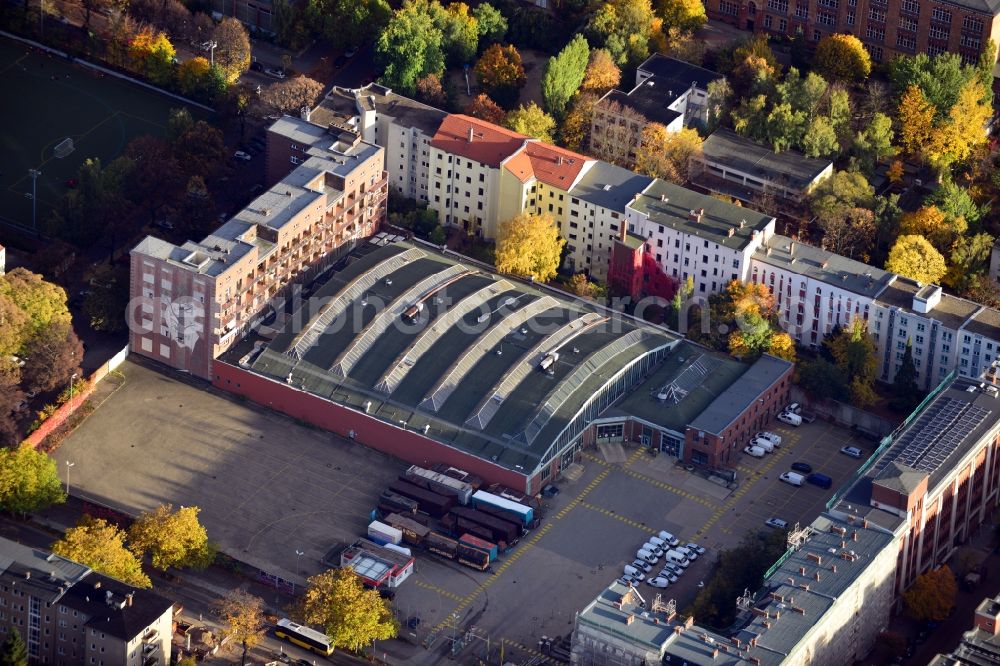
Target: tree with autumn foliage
[101,546]
[932,595]
[602,74]
[152,55]
[191,75]
[854,352]
[431,92]
[531,121]
[934,225]
[172,538]
[963,130]
[529,245]
[580,285]
[501,74]
[916,121]
[484,108]
[233,51]
[687,15]
[915,257]
[574,133]
[243,619]
[292,94]
[748,312]
[624,28]
[842,57]
[667,155]
[351,616]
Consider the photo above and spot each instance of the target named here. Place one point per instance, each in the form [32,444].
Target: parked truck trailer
[439,483]
[429,502]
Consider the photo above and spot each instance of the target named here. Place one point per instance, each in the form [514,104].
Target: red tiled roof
[549,164]
[491,144]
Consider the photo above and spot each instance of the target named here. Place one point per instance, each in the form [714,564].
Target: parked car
[626,581]
[754,451]
[776,522]
[805,468]
[688,553]
[642,566]
[852,451]
[669,538]
[774,439]
[700,550]
[241,155]
[276,73]
[790,418]
[794,408]
[669,574]
[550,491]
[676,569]
[653,548]
[763,443]
[821,480]
[658,582]
[632,572]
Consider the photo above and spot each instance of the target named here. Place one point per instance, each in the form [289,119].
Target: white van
[792,478]
[790,418]
[657,541]
[646,556]
[669,538]
[677,557]
[794,408]
[766,434]
[634,573]
[654,549]
[763,443]
[754,451]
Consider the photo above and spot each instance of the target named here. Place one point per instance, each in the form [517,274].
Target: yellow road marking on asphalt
[597,459]
[669,488]
[635,456]
[515,644]
[435,588]
[586,491]
[612,514]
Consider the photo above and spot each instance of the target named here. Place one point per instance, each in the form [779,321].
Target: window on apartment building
[876,33]
[908,23]
[780,6]
[801,10]
[767,21]
[938,32]
[876,14]
[906,42]
[817,35]
[294,160]
[850,17]
[973,24]
[876,52]
[730,8]
[942,15]
[900,345]
[782,25]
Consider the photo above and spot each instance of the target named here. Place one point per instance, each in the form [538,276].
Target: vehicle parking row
[677,558]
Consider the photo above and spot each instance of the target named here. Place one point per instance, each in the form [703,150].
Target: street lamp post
[211,52]
[298,558]
[68,465]
[34,173]
[72,379]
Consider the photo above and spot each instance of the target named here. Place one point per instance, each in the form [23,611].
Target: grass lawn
[46,100]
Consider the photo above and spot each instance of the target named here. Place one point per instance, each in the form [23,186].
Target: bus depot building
[432,358]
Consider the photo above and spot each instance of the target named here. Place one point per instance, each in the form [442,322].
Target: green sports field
[46,99]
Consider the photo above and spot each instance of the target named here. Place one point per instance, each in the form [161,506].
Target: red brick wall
[406,445]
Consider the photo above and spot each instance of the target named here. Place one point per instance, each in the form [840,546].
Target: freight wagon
[502,529]
[413,532]
[459,474]
[439,483]
[523,514]
[398,503]
[442,545]
[459,525]
[514,496]
[429,502]
[382,534]
[472,541]
[473,557]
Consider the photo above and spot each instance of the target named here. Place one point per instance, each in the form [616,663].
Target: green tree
[351,616]
[914,257]
[531,121]
[459,32]
[529,246]
[243,621]
[855,353]
[688,15]
[932,595]
[874,142]
[842,57]
[152,55]
[840,112]
[501,74]
[53,355]
[101,546]
[939,78]
[16,326]
[233,51]
[492,24]
[970,256]
[44,303]
[820,138]
[13,652]
[842,190]
[172,538]
[823,379]
[955,201]
[668,155]
[784,127]
[904,384]
[624,28]
[409,49]
[564,74]
[29,480]
[105,307]
[803,94]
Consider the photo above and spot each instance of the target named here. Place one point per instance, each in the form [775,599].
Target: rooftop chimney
[854,535]
[559,160]
[471,134]
[664,198]
[833,568]
[27,575]
[816,576]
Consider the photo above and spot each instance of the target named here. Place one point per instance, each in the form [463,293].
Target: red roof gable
[549,164]
[490,144]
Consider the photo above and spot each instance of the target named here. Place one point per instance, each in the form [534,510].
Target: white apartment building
[402,126]
[694,235]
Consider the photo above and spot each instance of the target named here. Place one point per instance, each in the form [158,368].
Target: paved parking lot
[268,486]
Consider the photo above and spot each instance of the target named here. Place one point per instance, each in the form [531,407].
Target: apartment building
[738,167]
[886,27]
[258,14]
[191,302]
[67,614]
[667,91]
[403,126]
[697,236]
